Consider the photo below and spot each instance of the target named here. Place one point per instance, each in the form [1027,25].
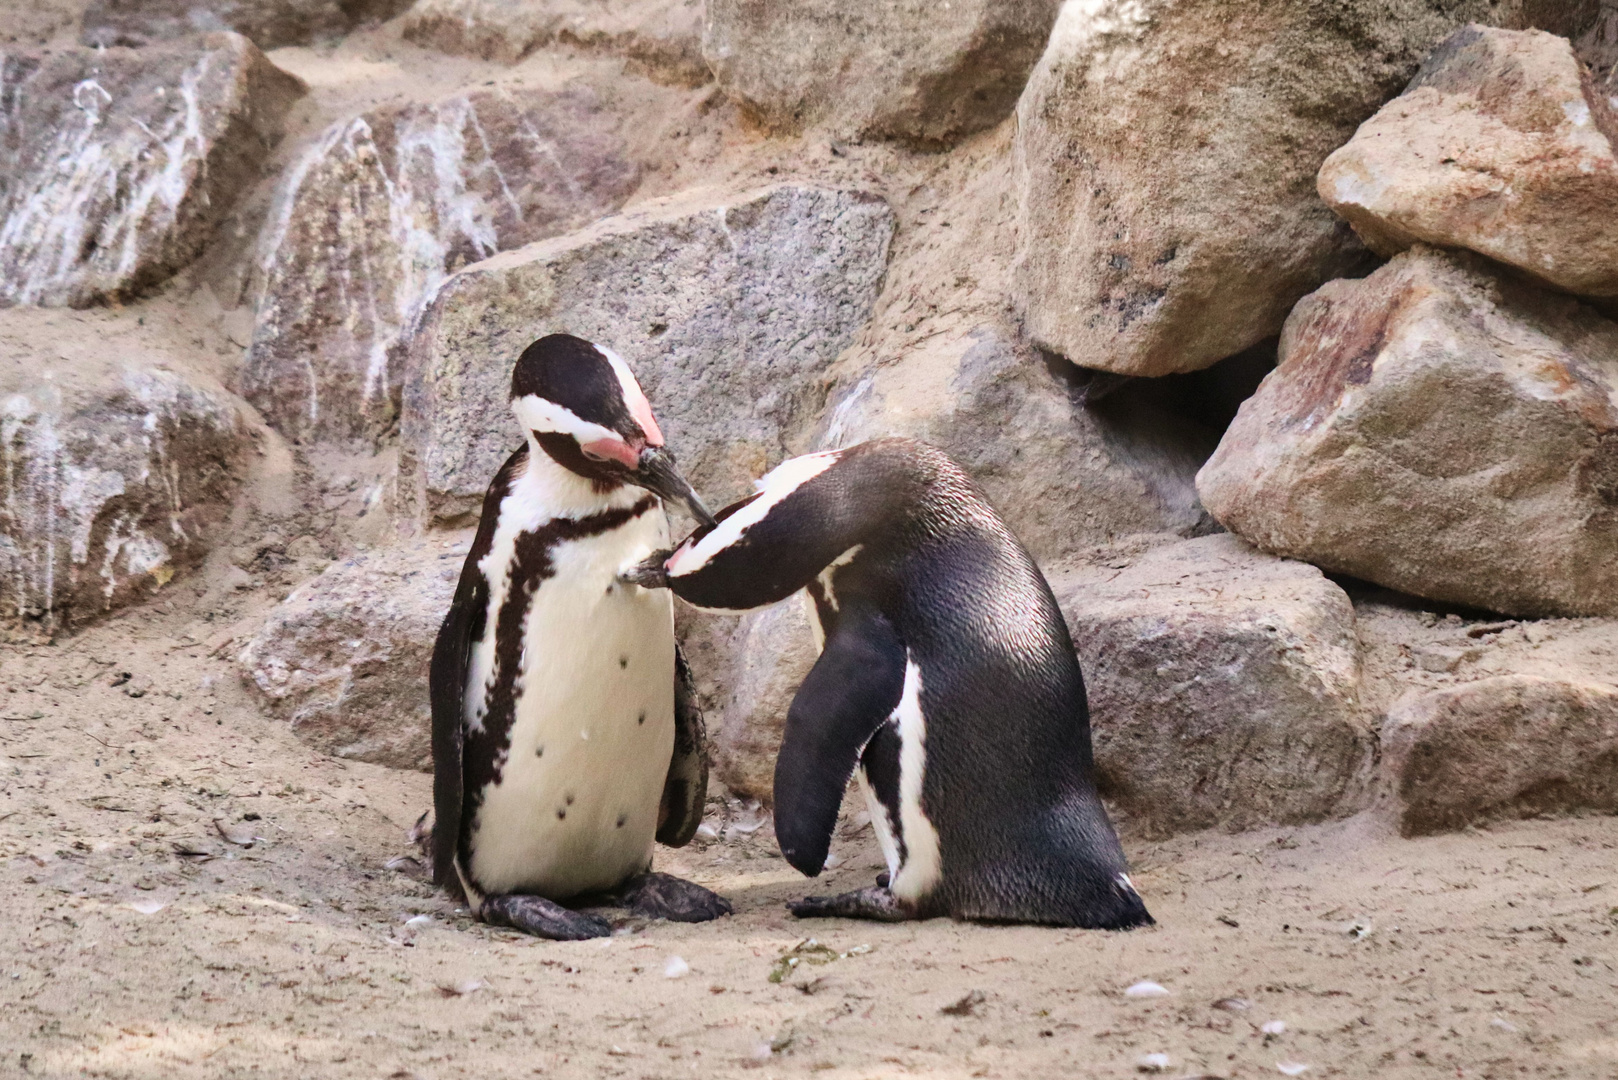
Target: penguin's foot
[542,918]
[660,896]
[875,903]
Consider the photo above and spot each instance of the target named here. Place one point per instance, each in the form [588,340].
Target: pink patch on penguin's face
[641,410]
[613,450]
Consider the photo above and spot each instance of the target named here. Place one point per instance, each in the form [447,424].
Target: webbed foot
[874,902]
[542,918]
[661,896]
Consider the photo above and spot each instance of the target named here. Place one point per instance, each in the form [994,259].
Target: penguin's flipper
[446,678]
[685,792]
[854,686]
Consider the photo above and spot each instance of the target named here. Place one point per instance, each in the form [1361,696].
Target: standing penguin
[946,675]
[565,734]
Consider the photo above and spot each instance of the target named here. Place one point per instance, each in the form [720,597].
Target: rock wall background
[266,263]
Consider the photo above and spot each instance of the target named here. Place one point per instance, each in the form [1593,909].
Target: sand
[188,891]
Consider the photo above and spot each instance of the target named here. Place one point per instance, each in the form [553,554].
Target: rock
[269,23]
[345,657]
[113,479]
[774,650]
[663,37]
[897,70]
[1441,431]
[115,165]
[1062,475]
[728,312]
[382,208]
[1167,151]
[1504,747]
[1501,144]
[1223,683]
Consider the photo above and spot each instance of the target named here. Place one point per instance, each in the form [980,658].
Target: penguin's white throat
[548,484]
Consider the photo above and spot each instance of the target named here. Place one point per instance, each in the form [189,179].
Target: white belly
[577,803]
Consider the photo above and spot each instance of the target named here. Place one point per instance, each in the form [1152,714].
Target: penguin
[946,678]
[566,735]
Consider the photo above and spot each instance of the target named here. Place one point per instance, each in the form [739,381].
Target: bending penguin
[565,733]
[946,677]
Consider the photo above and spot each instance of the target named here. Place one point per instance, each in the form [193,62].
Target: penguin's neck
[546,489]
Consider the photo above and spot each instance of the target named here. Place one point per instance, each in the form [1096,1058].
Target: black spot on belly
[642,719]
[568,798]
[560,813]
[621,819]
[623,661]
[539,751]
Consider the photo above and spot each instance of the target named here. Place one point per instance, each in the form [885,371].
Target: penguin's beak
[657,474]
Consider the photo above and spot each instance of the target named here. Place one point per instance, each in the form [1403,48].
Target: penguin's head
[582,405]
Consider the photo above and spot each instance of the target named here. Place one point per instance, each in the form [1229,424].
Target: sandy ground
[140,940]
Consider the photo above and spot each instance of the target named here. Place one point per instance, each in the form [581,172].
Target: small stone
[1146,989]
[1291,1068]
[1153,1063]
[146,907]
[1274,1027]
[676,968]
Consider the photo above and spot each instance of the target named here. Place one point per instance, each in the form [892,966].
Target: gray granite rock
[1223,684]
[902,69]
[268,23]
[116,164]
[1504,747]
[344,658]
[728,310]
[382,208]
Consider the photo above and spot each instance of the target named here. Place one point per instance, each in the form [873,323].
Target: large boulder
[269,23]
[344,658]
[116,164]
[1064,476]
[771,653]
[114,476]
[382,208]
[727,310]
[1502,144]
[662,37]
[1509,746]
[1439,430]
[901,70]
[1167,153]
[1223,684]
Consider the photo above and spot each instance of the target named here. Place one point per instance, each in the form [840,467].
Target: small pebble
[761,1051]
[1153,1063]
[1146,988]
[676,968]
[1503,1025]
[1274,1027]
[1233,1004]
[1291,1068]
[146,907]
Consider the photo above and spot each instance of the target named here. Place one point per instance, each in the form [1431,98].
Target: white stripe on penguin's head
[780,482]
[634,397]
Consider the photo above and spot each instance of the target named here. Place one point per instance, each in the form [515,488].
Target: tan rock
[662,37]
[1223,685]
[344,658]
[116,164]
[727,309]
[268,23]
[1441,431]
[1506,747]
[1167,151]
[1501,144]
[902,69]
[382,208]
